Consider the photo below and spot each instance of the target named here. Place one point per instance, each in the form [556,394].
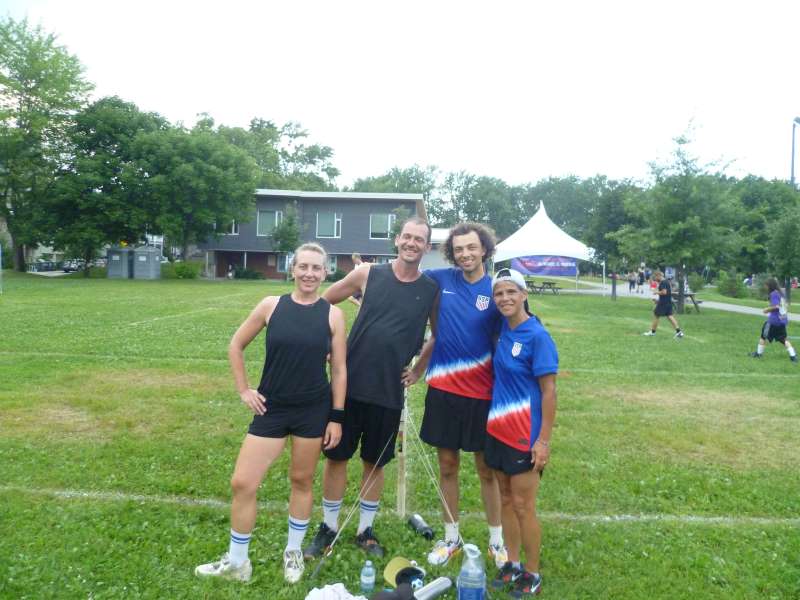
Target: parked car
[70,266]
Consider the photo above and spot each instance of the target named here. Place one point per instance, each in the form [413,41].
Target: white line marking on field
[191,312]
[276,505]
[112,356]
[684,374]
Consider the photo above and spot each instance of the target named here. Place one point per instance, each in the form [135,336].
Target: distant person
[631,282]
[389,330]
[663,306]
[640,279]
[794,283]
[294,399]
[357,264]
[774,328]
[520,427]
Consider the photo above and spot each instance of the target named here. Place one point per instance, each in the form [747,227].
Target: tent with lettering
[540,247]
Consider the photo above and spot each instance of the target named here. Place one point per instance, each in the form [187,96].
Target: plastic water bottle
[367,578]
[471,582]
[418,524]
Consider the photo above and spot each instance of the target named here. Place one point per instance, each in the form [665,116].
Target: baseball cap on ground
[509,275]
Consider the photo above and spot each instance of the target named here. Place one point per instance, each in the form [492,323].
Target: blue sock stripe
[298,525]
[369,507]
[331,504]
[240,540]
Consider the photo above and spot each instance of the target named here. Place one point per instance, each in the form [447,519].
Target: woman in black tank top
[293,399]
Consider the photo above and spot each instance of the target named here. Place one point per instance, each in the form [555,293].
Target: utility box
[146,263]
[119,263]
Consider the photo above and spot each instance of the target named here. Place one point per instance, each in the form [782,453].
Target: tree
[286,234]
[193,180]
[608,216]
[41,86]
[784,244]
[98,199]
[411,180]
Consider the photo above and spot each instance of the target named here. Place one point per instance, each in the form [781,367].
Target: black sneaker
[793,358]
[321,542]
[527,585]
[507,575]
[755,355]
[367,541]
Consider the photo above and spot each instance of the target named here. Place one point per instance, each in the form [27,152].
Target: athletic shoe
[755,355]
[678,335]
[293,566]
[321,542]
[649,333]
[443,551]
[507,575]
[367,541]
[499,554]
[793,358]
[224,569]
[527,585]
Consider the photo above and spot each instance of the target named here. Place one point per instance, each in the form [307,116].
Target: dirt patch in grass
[57,421]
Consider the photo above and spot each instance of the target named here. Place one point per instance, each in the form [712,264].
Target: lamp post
[795,123]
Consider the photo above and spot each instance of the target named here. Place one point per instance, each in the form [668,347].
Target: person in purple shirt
[775,326]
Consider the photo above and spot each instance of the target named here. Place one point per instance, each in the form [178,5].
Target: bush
[8,260]
[696,282]
[242,273]
[336,275]
[187,270]
[731,285]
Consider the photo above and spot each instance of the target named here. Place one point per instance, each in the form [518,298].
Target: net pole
[401,458]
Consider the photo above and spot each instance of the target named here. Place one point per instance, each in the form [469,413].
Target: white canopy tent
[541,237]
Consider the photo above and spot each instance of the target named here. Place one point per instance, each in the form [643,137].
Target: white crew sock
[366,514]
[297,531]
[759,349]
[330,513]
[451,532]
[240,544]
[791,351]
[496,535]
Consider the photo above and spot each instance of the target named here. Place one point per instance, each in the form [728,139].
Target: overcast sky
[516,90]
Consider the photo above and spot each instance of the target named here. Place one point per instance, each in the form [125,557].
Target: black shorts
[454,422]
[502,457]
[662,310]
[772,332]
[308,421]
[374,427]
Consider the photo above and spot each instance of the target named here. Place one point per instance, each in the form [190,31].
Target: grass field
[673,472]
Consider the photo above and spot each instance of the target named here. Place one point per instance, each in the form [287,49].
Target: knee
[486,475]
[448,466]
[243,486]
[522,505]
[301,482]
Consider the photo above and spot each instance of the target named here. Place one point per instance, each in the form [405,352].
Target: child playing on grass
[774,327]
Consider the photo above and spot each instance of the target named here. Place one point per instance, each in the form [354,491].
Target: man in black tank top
[397,303]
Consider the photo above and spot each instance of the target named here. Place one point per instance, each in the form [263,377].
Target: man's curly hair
[485,234]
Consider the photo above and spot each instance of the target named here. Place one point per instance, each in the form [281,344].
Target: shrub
[242,273]
[8,260]
[696,282]
[336,275]
[731,285]
[186,270]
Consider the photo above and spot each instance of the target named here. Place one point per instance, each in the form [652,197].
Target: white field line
[282,506]
[175,316]
[161,359]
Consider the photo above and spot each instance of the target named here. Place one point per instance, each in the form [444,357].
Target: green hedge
[731,285]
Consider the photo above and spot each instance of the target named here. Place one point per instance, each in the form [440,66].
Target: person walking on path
[663,306]
[520,427]
[397,302]
[294,399]
[774,328]
[459,379]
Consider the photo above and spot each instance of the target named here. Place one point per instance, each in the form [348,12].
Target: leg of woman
[511,530]
[524,488]
[490,493]
[255,458]
[305,454]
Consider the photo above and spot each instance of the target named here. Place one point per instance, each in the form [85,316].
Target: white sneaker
[678,335]
[649,333]
[293,566]
[223,568]
[443,551]
[499,554]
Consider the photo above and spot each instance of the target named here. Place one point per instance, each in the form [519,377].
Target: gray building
[342,222]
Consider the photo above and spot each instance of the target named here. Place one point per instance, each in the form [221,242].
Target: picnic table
[542,287]
[691,296]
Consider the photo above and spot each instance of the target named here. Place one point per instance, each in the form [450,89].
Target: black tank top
[298,341]
[388,331]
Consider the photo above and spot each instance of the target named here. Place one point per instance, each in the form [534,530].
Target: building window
[332,263]
[267,220]
[329,225]
[380,226]
[382,260]
[283,262]
[233,229]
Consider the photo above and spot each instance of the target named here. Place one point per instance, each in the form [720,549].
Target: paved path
[597,289]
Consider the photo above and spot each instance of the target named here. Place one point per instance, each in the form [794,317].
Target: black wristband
[336,416]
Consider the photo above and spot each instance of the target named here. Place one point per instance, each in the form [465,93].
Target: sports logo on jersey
[516,348]
[482,302]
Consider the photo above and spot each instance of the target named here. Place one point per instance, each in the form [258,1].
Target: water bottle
[418,524]
[367,578]
[471,582]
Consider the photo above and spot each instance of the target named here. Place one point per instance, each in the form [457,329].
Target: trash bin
[119,263]
[146,263]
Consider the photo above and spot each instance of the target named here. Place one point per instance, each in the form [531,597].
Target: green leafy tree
[783,244]
[41,87]
[608,216]
[192,180]
[98,198]
[411,180]
[286,234]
